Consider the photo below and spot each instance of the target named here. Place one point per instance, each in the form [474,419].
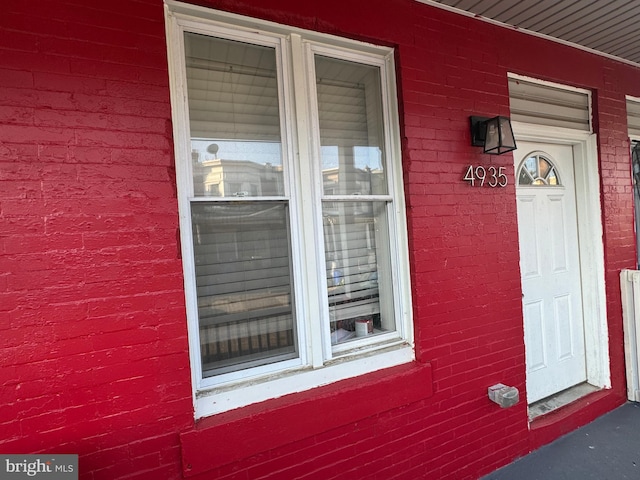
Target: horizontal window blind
[243,281]
[349,114]
[545,104]
[353,247]
[633,117]
[241,260]
[342,113]
[233,89]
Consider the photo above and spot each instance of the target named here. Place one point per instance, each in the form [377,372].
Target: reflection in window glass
[531,166]
[234,118]
[253,197]
[538,170]
[243,279]
[358,269]
[351,127]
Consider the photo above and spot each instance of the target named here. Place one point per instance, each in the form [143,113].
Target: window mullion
[309,235]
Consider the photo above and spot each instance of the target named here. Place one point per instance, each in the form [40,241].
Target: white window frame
[319,363]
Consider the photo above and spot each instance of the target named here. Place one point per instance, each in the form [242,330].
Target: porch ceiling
[605,26]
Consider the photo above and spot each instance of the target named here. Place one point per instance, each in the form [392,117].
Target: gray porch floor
[606,449]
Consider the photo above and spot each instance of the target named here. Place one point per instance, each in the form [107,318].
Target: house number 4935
[490,176]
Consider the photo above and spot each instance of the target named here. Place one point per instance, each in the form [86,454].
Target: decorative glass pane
[544,167]
[234,118]
[538,170]
[243,281]
[351,127]
[524,178]
[358,269]
[531,165]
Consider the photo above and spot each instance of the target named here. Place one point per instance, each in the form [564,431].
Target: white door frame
[590,234]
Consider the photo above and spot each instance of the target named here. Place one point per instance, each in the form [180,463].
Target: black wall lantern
[495,135]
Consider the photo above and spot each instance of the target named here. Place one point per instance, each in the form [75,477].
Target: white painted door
[550,269]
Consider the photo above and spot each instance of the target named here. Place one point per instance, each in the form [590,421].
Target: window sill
[290,418]
[223,399]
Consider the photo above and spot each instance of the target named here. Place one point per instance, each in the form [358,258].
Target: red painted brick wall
[94,355]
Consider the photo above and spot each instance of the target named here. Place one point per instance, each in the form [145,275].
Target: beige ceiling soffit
[441,6]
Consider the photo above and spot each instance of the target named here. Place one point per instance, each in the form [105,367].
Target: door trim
[590,235]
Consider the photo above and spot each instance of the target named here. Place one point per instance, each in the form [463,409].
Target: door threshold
[559,400]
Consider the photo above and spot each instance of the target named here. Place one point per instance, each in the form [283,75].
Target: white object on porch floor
[630,287]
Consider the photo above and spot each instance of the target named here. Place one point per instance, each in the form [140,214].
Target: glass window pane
[531,164]
[358,269]
[351,127]
[538,171]
[524,178]
[543,167]
[234,118]
[243,281]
